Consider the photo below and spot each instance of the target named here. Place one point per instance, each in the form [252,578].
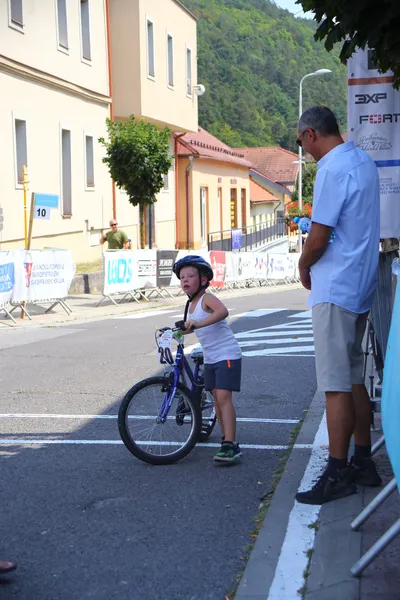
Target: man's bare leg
[363,415]
[340,416]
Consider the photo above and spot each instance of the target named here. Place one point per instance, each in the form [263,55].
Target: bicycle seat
[197,355]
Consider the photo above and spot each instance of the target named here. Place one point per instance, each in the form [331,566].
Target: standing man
[339,265]
[116,239]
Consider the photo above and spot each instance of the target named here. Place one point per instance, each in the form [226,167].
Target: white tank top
[217,340]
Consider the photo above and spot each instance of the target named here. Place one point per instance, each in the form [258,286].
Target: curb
[110,311]
[261,566]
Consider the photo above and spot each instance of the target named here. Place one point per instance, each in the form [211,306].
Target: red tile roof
[258,194]
[205,145]
[275,162]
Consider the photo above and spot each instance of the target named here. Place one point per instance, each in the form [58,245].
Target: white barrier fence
[45,276]
[35,277]
[142,273]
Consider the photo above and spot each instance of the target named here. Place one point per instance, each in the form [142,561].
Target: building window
[89,161]
[62,27]
[16,13]
[21,152]
[244,207]
[219,209]
[203,215]
[233,208]
[151,71]
[85,30]
[188,71]
[66,173]
[166,182]
[170,58]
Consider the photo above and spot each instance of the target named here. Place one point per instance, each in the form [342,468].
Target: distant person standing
[339,266]
[116,238]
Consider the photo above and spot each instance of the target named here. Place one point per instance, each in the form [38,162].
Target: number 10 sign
[43,204]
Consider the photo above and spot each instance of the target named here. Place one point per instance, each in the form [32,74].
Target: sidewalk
[337,547]
[84,307]
[300,554]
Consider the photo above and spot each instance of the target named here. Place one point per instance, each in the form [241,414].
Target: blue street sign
[46,200]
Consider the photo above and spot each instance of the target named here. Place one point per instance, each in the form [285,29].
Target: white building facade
[55,98]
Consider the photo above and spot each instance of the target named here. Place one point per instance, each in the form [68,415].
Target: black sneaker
[228,453]
[364,472]
[329,488]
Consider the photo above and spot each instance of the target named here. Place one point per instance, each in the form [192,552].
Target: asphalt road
[84,518]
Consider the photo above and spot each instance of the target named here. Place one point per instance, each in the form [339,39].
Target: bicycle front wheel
[156,441]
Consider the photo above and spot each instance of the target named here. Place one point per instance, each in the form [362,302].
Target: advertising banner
[278,267]
[6,277]
[147,268]
[236,239]
[120,272]
[218,264]
[42,275]
[260,265]
[165,262]
[129,270]
[374,126]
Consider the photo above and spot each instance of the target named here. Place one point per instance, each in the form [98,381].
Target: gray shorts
[223,375]
[339,357]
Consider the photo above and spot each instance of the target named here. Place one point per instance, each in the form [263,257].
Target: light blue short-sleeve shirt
[346,198]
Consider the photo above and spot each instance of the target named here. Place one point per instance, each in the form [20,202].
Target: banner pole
[25,184]
[29,240]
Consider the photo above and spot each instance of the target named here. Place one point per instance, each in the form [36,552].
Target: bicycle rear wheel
[208,415]
[145,436]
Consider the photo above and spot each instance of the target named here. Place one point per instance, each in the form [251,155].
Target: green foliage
[309,173]
[251,57]
[357,23]
[137,156]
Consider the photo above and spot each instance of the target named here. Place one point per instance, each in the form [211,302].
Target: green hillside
[251,57]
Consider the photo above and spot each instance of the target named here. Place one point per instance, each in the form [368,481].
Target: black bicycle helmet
[192,260]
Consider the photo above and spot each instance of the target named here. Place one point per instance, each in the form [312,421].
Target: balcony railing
[250,237]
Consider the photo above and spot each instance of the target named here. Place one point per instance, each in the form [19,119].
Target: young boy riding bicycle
[206,315]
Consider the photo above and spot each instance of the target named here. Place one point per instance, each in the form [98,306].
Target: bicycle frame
[180,366]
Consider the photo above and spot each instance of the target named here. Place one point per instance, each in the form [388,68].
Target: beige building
[213,190]
[154,76]
[56,90]
[267,199]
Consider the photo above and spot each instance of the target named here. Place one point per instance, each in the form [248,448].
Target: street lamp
[319,72]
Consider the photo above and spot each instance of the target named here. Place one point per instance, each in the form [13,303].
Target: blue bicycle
[161,419]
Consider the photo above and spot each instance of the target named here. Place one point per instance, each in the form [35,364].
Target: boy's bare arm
[218,312]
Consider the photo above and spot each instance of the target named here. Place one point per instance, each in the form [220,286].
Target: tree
[292,208]
[309,173]
[137,156]
[358,23]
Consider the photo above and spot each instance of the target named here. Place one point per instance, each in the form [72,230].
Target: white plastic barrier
[42,276]
[128,272]
[134,272]
[6,281]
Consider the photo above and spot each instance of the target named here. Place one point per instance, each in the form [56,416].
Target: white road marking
[289,350]
[302,315]
[147,313]
[294,325]
[260,312]
[138,417]
[46,441]
[266,334]
[290,340]
[293,560]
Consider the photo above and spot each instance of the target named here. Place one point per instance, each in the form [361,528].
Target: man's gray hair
[321,119]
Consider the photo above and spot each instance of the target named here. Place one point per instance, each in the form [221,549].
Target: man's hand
[305,277]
